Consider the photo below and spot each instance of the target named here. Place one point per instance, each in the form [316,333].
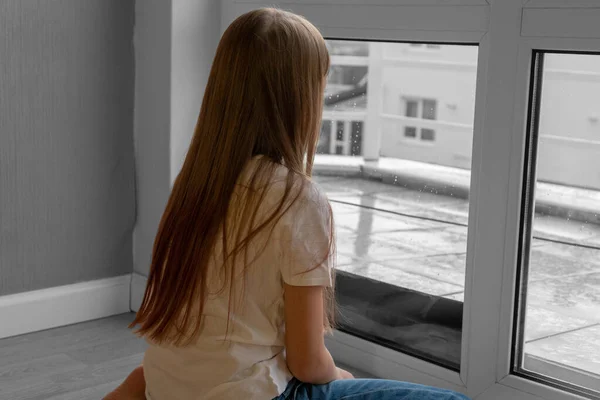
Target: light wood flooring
[77,362]
[81,361]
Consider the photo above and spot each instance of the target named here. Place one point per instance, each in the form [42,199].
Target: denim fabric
[366,389]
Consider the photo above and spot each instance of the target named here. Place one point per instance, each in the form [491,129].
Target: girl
[240,290]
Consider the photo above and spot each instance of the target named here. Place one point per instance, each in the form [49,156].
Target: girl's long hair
[264,96]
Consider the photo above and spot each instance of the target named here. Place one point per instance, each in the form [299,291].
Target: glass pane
[410,131]
[412,108]
[324,138]
[340,131]
[560,335]
[356,148]
[427,134]
[429,109]
[401,239]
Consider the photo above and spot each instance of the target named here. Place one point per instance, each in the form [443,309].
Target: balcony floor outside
[417,240]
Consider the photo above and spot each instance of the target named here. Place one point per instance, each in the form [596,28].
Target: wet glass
[558,330]
[397,123]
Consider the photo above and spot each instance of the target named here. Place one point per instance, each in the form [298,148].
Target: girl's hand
[343,374]
[133,388]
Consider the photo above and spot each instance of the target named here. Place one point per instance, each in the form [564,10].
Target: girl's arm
[307,357]
[133,388]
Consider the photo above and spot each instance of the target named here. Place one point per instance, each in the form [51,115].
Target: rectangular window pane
[401,239]
[412,108]
[429,109]
[356,148]
[410,131]
[340,131]
[559,325]
[427,135]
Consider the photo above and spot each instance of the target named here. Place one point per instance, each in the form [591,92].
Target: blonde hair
[264,96]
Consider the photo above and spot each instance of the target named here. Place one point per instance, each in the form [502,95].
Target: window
[429,109]
[340,131]
[410,131]
[400,240]
[412,108]
[424,109]
[558,329]
[427,134]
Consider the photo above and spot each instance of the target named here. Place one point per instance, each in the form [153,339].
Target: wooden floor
[76,362]
[82,361]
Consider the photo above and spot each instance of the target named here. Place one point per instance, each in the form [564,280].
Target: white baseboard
[64,305]
[138,287]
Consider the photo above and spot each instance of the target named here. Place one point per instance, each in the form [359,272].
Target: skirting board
[64,305]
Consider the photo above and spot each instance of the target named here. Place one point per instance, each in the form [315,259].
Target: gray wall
[152,122]
[67,197]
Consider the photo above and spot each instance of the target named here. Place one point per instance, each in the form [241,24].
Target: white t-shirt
[250,364]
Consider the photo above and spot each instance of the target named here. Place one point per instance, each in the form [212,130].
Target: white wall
[194,38]
[570,121]
[446,75]
[175,41]
[152,41]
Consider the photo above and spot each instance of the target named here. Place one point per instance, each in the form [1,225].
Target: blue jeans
[366,389]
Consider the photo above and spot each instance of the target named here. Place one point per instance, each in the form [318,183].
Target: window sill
[385,363]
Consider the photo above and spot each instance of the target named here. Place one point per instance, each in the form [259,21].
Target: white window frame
[506,34]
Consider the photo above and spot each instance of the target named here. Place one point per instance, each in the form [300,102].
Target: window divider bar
[497,77]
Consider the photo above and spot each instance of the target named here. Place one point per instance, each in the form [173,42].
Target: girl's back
[242,355]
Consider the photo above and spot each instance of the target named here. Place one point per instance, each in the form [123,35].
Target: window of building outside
[558,325]
[401,241]
[424,109]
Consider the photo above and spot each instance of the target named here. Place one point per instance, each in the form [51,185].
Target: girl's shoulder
[295,193]
[302,189]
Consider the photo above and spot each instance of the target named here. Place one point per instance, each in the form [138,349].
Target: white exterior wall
[446,75]
[569,128]
[570,124]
